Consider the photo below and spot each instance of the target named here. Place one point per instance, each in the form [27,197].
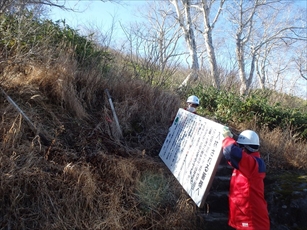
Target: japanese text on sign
[192,151]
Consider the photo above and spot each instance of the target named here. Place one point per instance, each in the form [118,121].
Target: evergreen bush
[227,106]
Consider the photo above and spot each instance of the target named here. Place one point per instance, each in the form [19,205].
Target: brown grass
[90,177]
[101,194]
[281,149]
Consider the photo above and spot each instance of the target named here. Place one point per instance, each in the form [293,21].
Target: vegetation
[231,108]
[90,177]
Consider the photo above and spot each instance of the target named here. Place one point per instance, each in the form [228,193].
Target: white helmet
[250,140]
[248,137]
[193,100]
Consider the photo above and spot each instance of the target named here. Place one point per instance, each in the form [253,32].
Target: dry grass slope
[88,177]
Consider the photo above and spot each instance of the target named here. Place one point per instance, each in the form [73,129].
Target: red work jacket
[247,206]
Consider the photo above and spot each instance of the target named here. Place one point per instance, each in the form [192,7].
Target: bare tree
[14,6]
[202,15]
[5,5]
[259,28]
[154,51]
[279,37]
[301,61]
[185,22]
[242,14]
[206,9]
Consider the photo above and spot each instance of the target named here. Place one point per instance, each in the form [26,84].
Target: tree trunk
[212,59]
[186,26]
[206,7]
[240,59]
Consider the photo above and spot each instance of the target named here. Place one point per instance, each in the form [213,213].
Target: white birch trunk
[241,65]
[185,23]
[207,34]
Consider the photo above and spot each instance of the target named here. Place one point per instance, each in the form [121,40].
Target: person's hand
[226,132]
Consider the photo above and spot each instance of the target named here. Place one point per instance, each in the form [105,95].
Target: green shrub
[153,191]
[28,35]
[226,106]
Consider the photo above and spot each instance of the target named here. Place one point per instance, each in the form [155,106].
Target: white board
[192,152]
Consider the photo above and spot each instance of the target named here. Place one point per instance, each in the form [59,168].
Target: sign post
[192,152]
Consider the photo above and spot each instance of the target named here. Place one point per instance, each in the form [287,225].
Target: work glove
[226,132]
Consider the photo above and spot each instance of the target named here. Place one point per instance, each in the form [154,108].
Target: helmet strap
[250,149]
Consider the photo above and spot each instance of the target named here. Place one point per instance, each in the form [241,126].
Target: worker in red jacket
[247,206]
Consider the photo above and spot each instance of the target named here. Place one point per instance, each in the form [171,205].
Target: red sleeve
[228,141]
[248,165]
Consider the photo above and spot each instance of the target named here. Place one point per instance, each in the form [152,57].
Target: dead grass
[37,194]
[281,149]
[90,177]
[145,113]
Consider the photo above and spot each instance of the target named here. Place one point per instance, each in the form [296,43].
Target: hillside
[69,167]
[87,177]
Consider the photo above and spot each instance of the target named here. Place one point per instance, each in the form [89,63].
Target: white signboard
[192,151]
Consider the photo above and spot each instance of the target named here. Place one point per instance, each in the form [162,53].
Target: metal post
[45,141]
[114,113]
